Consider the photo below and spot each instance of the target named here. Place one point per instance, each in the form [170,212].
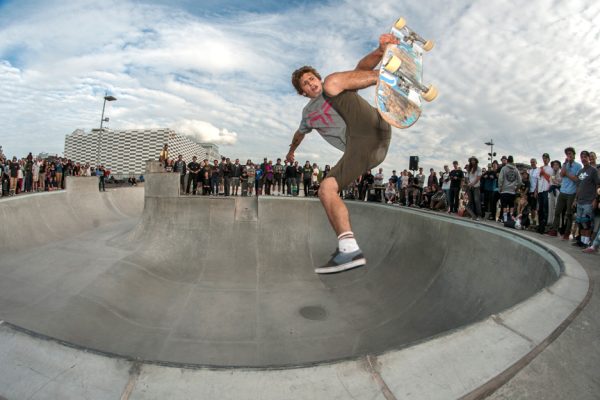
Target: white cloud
[204,132]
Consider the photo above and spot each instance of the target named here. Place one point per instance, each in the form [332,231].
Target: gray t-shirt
[320,115]
[588,182]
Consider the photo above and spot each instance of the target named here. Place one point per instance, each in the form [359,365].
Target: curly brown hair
[297,74]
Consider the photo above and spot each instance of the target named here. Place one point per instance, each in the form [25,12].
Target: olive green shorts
[367,137]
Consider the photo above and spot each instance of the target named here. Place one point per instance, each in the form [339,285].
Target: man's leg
[336,210]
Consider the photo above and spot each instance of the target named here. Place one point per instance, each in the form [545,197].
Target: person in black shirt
[194,170]
[456,178]
[290,177]
[366,179]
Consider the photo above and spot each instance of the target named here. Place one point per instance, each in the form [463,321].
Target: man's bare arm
[296,140]
[363,75]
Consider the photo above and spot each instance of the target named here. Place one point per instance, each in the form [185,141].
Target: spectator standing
[378,183]
[569,173]
[445,178]
[269,177]
[306,177]
[258,180]
[432,179]
[490,190]
[244,182]
[473,188]
[14,175]
[58,175]
[100,172]
[194,169]
[180,168]
[227,171]
[554,190]
[543,189]
[278,172]
[236,173]
[29,173]
[509,180]
[290,178]
[534,175]
[366,181]
[251,171]
[585,198]
[314,178]
[215,178]
[456,179]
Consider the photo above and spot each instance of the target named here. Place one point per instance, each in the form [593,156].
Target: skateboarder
[349,123]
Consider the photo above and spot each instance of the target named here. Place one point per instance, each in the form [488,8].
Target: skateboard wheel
[401,23]
[430,94]
[393,64]
[428,45]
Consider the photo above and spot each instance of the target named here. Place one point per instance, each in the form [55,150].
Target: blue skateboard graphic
[399,88]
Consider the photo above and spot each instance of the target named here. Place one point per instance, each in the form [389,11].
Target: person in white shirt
[544,174]
[534,175]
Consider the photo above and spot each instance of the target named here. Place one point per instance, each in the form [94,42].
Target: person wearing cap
[509,181]
[564,203]
[503,162]
[585,199]
[545,173]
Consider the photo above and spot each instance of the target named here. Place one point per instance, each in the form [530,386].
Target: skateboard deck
[399,88]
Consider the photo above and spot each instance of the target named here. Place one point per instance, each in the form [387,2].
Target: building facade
[125,152]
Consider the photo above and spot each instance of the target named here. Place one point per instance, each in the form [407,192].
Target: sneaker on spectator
[590,250]
[342,261]
[552,232]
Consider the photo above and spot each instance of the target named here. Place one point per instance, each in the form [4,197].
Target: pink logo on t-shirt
[323,115]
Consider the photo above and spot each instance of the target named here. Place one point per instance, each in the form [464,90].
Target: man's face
[194,159]
[237,161]
[179,158]
[455,165]
[546,160]
[533,163]
[585,159]
[570,156]
[311,85]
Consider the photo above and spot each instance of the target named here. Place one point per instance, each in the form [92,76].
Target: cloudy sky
[523,73]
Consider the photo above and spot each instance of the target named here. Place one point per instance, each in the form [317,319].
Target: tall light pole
[102,121]
[491,154]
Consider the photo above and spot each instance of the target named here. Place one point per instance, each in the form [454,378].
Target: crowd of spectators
[554,198]
[35,174]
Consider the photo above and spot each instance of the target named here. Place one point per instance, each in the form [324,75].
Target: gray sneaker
[342,261]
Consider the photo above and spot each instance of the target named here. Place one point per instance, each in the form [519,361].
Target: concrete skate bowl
[229,282]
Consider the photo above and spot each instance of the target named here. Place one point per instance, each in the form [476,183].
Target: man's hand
[387,39]
[290,157]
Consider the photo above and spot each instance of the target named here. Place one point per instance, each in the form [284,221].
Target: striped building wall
[125,152]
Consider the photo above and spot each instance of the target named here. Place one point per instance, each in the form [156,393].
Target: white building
[125,152]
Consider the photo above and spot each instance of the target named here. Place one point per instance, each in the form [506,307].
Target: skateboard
[400,85]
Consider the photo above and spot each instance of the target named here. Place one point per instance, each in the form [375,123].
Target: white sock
[347,243]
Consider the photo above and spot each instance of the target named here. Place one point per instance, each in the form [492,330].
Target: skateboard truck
[413,36]
[392,65]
